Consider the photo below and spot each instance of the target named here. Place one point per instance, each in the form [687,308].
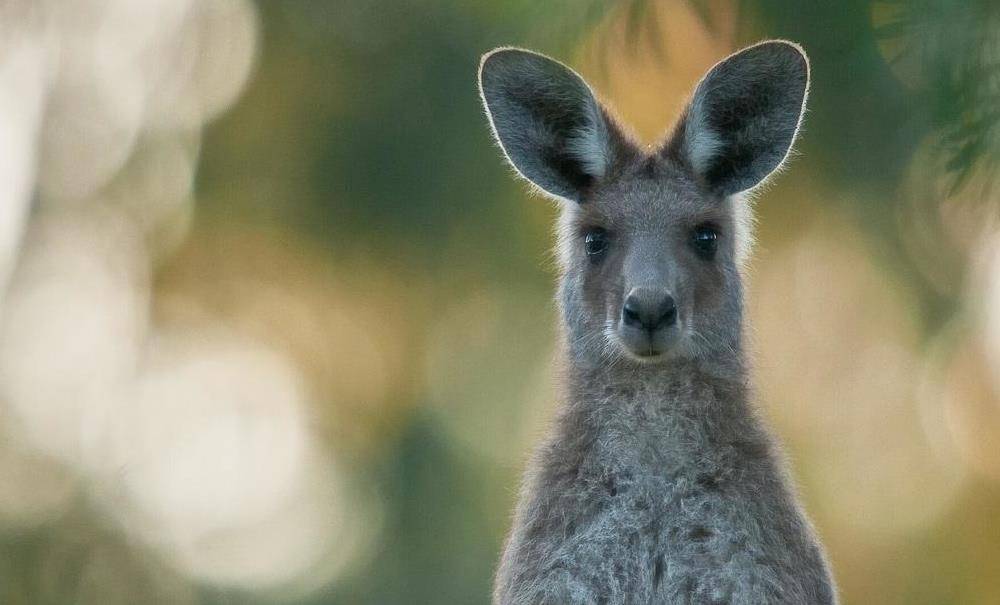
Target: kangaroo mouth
[647,354]
[648,347]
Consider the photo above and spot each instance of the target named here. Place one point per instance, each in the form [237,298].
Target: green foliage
[956,48]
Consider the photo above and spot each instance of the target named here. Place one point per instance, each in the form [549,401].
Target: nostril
[631,312]
[668,312]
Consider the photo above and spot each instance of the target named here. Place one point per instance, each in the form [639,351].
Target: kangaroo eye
[705,240]
[596,242]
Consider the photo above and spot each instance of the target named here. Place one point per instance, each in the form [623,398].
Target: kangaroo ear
[743,118]
[546,119]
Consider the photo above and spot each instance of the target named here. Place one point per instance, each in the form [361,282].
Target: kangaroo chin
[658,482]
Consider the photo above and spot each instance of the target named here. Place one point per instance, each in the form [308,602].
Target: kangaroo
[658,482]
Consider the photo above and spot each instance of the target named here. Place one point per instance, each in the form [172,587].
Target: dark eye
[596,242]
[705,240]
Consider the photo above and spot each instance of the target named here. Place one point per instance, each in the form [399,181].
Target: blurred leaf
[956,44]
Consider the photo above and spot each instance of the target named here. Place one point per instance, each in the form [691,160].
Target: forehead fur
[651,192]
[655,194]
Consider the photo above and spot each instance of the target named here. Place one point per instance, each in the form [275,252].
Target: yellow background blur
[276,322]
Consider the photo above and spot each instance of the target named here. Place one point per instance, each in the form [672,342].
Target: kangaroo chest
[666,500]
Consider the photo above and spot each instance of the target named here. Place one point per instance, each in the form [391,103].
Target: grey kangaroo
[658,482]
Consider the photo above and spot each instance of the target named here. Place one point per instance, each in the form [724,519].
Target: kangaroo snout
[649,309]
[648,318]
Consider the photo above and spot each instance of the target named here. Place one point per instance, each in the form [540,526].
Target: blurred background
[276,321]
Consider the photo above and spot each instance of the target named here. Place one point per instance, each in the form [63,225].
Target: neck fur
[703,401]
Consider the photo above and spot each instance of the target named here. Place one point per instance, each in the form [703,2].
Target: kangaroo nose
[649,309]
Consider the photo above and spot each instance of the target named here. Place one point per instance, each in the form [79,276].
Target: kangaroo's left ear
[743,118]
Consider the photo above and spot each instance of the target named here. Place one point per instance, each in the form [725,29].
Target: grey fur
[658,482]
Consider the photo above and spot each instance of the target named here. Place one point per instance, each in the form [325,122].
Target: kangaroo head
[651,241]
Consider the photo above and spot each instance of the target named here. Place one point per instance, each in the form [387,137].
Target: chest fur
[653,485]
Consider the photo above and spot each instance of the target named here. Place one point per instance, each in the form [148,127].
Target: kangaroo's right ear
[744,116]
[546,119]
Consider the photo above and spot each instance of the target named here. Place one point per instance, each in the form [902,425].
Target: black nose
[649,309]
